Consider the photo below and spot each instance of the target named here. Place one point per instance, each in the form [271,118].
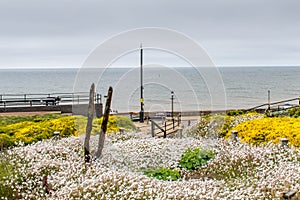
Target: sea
[190,88]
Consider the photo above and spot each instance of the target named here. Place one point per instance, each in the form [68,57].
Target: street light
[142,88]
[172,107]
[172,104]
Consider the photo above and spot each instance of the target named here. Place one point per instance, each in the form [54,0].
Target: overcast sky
[61,33]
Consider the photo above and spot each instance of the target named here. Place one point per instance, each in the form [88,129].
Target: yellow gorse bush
[262,131]
[33,131]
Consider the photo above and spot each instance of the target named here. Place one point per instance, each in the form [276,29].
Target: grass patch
[5,171]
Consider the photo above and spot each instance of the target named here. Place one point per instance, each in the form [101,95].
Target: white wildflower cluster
[238,171]
[243,118]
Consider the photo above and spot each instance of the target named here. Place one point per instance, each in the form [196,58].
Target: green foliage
[7,120]
[294,112]
[196,157]
[262,131]
[114,124]
[5,171]
[218,125]
[291,112]
[5,141]
[165,174]
[125,122]
[39,127]
[234,112]
[212,126]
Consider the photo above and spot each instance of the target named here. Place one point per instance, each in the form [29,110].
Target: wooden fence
[168,127]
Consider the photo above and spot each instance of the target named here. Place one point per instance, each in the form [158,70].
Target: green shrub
[5,141]
[165,174]
[234,112]
[114,124]
[7,120]
[125,122]
[6,170]
[262,131]
[30,131]
[294,112]
[196,157]
[39,127]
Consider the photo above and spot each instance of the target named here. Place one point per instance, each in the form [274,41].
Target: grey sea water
[241,87]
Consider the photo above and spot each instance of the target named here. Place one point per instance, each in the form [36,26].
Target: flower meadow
[201,165]
[55,169]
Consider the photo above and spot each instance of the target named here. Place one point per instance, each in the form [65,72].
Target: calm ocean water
[240,87]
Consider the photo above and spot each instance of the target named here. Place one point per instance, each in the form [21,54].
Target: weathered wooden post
[234,135]
[180,132]
[291,194]
[56,135]
[283,142]
[122,130]
[152,128]
[165,132]
[89,125]
[104,123]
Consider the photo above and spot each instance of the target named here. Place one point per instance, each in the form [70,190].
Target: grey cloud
[232,31]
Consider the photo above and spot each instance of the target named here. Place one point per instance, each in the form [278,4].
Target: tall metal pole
[172,104]
[172,108]
[269,100]
[142,89]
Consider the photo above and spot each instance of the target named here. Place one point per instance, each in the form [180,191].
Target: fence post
[152,128]
[173,121]
[180,132]
[56,135]
[165,132]
[283,142]
[234,135]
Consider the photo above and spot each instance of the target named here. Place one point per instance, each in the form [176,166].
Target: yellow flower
[262,131]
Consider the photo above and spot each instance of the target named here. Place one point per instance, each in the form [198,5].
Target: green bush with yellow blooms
[262,131]
[28,129]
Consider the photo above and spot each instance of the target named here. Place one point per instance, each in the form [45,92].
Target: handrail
[153,124]
[45,98]
[164,129]
[274,103]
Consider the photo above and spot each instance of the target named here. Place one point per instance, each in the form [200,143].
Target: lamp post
[142,88]
[172,104]
[269,100]
[172,108]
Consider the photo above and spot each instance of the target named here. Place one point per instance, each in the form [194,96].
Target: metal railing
[167,127]
[38,99]
[277,104]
